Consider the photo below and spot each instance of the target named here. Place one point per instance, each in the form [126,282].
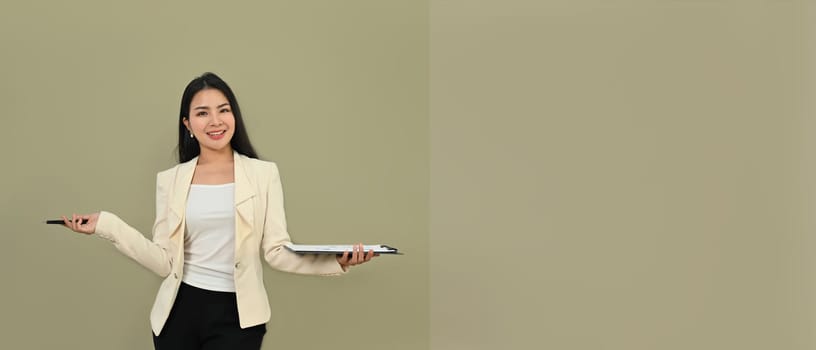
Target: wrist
[344,267]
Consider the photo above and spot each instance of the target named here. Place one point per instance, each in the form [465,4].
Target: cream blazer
[260,226]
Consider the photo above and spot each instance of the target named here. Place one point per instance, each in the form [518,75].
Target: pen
[60,222]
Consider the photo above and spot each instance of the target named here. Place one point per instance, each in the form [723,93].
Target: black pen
[60,222]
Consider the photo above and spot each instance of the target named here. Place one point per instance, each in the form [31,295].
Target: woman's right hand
[76,225]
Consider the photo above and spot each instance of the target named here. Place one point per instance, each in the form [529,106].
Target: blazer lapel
[244,208]
[181,187]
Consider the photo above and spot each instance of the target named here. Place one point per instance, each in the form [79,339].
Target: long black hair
[188,147]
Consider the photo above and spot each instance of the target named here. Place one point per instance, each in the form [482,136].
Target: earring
[191,135]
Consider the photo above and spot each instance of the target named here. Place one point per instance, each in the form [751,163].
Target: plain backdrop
[626,174]
[562,174]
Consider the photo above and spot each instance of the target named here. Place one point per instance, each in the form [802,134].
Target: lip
[216,135]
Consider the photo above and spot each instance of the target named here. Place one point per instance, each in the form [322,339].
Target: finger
[344,258]
[359,254]
[65,222]
[361,257]
[73,222]
[78,223]
[83,223]
[369,255]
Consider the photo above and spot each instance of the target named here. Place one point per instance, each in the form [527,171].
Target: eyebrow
[205,107]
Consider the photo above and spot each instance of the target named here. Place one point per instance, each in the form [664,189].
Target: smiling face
[210,120]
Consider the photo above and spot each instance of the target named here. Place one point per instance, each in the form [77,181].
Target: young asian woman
[215,211]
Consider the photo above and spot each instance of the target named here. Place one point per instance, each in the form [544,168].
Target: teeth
[216,133]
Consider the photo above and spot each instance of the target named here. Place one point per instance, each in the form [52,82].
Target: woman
[214,212]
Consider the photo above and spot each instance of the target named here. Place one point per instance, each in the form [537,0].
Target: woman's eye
[201,114]
[225,110]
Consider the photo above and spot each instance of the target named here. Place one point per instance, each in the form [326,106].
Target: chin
[218,148]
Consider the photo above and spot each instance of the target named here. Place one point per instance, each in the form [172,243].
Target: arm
[154,255]
[275,236]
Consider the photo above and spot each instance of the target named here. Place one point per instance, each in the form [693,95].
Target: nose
[215,120]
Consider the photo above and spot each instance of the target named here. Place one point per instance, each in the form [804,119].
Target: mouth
[216,135]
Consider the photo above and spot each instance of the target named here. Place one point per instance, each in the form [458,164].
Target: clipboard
[338,249]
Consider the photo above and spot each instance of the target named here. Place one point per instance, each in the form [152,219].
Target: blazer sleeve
[154,255]
[275,236]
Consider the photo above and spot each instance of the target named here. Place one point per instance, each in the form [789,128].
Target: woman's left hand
[358,256]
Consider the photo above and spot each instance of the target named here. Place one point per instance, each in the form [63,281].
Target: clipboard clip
[392,249]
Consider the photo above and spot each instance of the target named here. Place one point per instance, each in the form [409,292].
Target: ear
[186,122]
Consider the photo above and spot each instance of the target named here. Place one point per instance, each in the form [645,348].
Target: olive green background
[623,174]
[334,92]
[563,174]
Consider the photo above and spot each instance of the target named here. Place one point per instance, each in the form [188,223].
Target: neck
[211,156]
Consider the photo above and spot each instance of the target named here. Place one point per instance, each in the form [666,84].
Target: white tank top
[209,239]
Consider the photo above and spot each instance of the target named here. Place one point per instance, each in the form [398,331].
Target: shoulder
[259,167]
[169,174]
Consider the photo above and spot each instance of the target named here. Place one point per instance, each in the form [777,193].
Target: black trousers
[206,320]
